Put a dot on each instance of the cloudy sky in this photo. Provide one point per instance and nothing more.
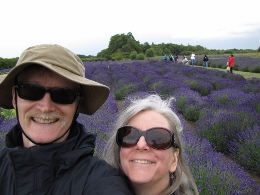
(85, 26)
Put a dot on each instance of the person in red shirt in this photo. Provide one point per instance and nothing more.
(231, 62)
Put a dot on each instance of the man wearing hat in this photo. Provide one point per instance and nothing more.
(48, 151)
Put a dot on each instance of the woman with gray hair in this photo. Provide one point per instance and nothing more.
(146, 146)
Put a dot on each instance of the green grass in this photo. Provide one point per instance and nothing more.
(246, 75)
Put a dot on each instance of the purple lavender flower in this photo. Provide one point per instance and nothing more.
(5, 126)
(246, 148)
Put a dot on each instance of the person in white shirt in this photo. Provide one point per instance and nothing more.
(192, 58)
(185, 60)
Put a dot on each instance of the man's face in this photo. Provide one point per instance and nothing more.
(43, 120)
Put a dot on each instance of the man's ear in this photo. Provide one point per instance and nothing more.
(13, 97)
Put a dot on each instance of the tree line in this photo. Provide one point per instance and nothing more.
(125, 46)
(6, 63)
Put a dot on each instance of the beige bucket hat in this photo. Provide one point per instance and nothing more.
(63, 62)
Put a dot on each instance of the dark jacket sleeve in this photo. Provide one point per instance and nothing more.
(112, 185)
(105, 180)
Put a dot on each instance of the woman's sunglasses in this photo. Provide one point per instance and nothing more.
(35, 92)
(158, 138)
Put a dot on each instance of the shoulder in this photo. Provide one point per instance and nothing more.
(102, 168)
(103, 176)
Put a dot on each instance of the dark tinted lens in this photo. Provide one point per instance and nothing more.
(159, 138)
(35, 92)
(127, 136)
(30, 92)
(63, 96)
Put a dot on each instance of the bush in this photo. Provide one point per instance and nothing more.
(8, 113)
(222, 126)
(133, 55)
(245, 69)
(256, 69)
(121, 93)
(191, 113)
(214, 65)
(93, 59)
(246, 149)
(236, 67)
(200, 63)
(150, 52)
(117, 56)
(201, 87)
(219, 66)
(140, 56)
(189, 105)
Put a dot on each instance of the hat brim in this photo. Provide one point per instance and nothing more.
(94, 94)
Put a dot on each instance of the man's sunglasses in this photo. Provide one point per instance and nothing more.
(158, 138)
(35, 92)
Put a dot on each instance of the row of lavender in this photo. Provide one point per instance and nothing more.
(213, 173)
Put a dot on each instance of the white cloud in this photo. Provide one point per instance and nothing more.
(86, 26)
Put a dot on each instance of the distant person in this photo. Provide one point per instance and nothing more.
(176, 58)
(231, 63)
(165, 57)
(48, 151)
(146, 146)
(205, 61)
(170, 57)
(185, 60)
(193, 59)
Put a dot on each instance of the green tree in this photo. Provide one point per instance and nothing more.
(131, 45)
(6, 63)
(124, 43)
(157, 50)
(133, 55)
(116, 42)
(104, 54)
(166, 51)
(145, 46)
(117, 56)
(150, 52)
(140, 56)
(130, 35)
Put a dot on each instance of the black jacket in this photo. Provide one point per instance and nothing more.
(57, 169)
(205, 58)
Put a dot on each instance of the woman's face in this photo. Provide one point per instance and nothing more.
(143, 164)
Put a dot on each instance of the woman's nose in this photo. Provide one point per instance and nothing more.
(142, 144)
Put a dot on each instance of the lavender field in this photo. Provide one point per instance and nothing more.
(242, 62)
(220, 113)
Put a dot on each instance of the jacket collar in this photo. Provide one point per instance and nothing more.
(53, 159)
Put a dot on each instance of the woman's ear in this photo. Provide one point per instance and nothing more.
(175, 157)
(13, 97)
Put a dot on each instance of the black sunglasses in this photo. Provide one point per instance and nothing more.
(35, 92)
(158, 138)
